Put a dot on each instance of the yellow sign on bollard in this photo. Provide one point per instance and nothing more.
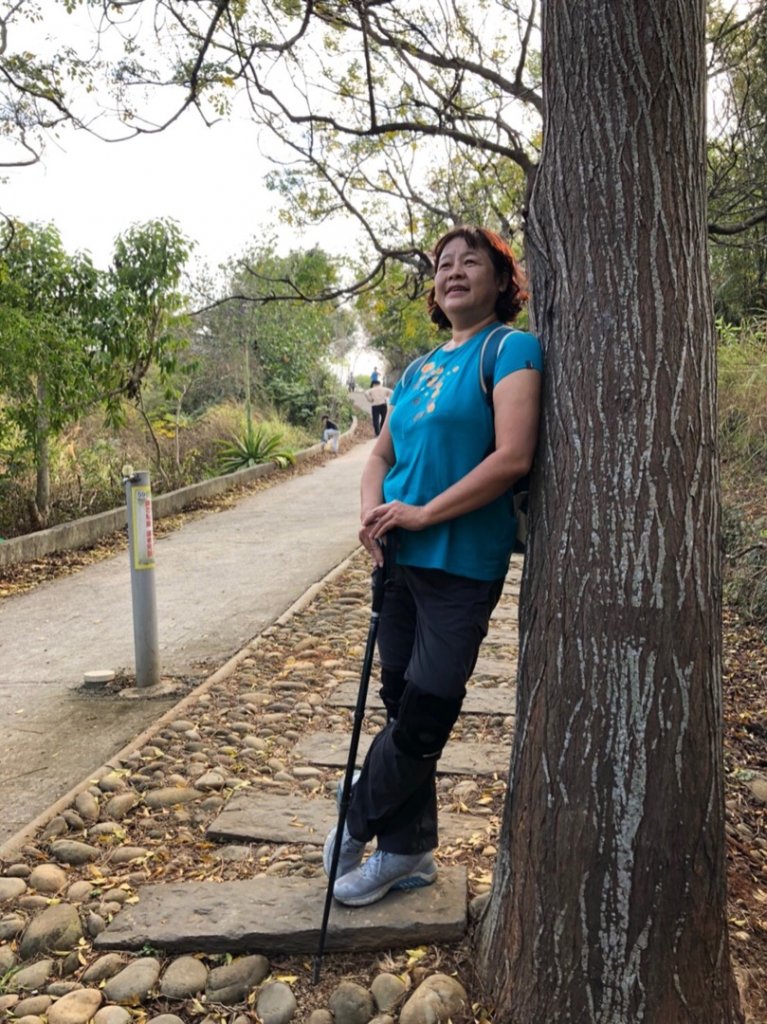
(143, 529)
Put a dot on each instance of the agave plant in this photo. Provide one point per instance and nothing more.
(255, 446)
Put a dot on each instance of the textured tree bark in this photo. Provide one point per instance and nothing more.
(608, 900)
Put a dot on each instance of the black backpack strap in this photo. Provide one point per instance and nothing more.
(491, 346)
(488, 355)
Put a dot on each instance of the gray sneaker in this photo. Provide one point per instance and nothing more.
(340, 787)
(383, 872)
(350, 857)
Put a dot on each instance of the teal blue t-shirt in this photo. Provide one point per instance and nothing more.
(442, 427)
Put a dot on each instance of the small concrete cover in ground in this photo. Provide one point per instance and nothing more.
(260, 816)
(462, 758)
(283, 915)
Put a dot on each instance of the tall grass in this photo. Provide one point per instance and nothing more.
(743, 446)
(87, 461)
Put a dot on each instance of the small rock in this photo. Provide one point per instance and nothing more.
(350, 1003)
(170, 796)
(211, 780)
(120, 804)
(105, 967)
(70, 964)
(29, 1018)
(48, 878)
(438, 999)
(276, 1003)
(388, 990)
(33, 903)
(7, 959)
(320, 1017)
(212, 803)
(18, 871)
(112, 782)
(11, 926)
(63, 988)
(30, 978)
(106, 828)
(382, 1018)
(32, 1005)
(758, 787)
(125, 854)
(112, 1015)
(11, 888)
(8, 1002)
(56, 928)
(115, 896)
(183, 978)
(95, 924)
(76, 1008)
(134, 983)
(465, 791)
(306, 772)
(79, 891)
(182, 725)
(165, 1018)
(73, 819)
(55, 827)
(231, 983)
(87, 806)
(70, 851)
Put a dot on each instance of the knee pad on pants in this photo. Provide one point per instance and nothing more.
(424, 723)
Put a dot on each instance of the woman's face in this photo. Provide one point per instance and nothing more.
(465, 283)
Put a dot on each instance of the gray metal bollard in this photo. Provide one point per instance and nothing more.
(138, 498)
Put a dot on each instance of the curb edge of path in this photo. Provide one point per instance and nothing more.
(11, 847)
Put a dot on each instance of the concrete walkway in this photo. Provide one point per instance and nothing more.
(220, 580)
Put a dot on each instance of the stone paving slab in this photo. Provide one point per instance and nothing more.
(504, 669)
(283, 915)
(458, 758)
(255, 816)
(478, 701)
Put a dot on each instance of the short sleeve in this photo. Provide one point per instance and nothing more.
(519, 350)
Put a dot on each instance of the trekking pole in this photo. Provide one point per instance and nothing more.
(381, 575)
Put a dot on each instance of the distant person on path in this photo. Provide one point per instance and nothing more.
(375, 377)
(330, 434)
(378, 396)
(436, 486)
(351, 382)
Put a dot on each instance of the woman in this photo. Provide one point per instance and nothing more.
(436, 485)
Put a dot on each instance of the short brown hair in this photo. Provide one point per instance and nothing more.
(514, 295)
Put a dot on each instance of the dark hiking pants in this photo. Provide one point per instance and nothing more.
(379, 415)
(431, 627)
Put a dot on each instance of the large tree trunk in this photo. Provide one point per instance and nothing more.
(608, 902)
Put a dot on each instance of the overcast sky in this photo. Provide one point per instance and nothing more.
(209, 179)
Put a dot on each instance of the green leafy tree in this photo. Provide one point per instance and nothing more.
(148, 325)
(265, 327)
(51, 304)
(737, 155)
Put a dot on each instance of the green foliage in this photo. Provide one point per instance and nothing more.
(288, 340)
(147, 324)
(743, 444)
(255, 446)
(737, 156)
(742, 358)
